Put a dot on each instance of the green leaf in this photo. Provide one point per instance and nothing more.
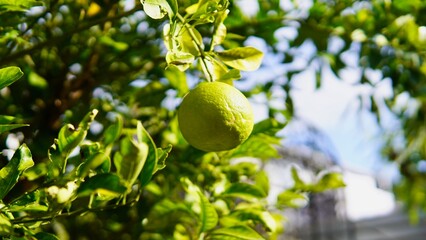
(268, 126)
(230, 76)
(8, 127)
(45, 236)
(113, 132)
(173, 6)
(242, 58)
(208, 216)
(9, 174)
(219, 34)
(4, 119)
(244, 191)
(236, 232)
(18, 5)
(220, 30)
(6, 123)
(177, 79)
(130, 159)
(298, 182)
(69, 138)
(105, 184)
(167, 206)
(186, 39)
(157, 9)
(118, 46)
(182, 60)
(262, 141)
(9, 75)
(5, 225)
(162, 154)
(31, 201)
(167, 213)
(37, 81)
(203, 12)
(329, 181)
(93, 157)
(30, 207)
(37, 171)
(92, 162)
(262, 181)
(152, 155)
(252, 214)
(217, 71)
(212, 68)
(259, 146)
(292, 199)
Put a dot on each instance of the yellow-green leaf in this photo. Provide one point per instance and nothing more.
(5, 225)
(182, 60)
(157, 9)
(241, 232)
(242, 58)
(36, 80)
(244, 191)
(177, 79)
(130, 160)
(8, 75)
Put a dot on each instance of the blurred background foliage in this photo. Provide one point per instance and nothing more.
(106, 54)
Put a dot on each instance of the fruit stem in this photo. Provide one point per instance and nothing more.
(199, 48)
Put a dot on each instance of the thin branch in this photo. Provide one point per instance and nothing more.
(67, 35)
(200, 50)
(24, 220)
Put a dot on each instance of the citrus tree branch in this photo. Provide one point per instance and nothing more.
(25, 219)
(67, 35)
(200, 49)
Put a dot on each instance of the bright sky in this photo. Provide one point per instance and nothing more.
(356, 137)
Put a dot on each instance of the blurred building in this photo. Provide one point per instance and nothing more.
(360, 211)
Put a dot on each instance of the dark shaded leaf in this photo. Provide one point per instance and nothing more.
(8, 127)
(45, 236)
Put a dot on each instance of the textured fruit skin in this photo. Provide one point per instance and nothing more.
(215, 116)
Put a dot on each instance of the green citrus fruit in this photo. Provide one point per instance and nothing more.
(215, 116)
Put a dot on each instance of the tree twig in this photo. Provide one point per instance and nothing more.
(67, 35)
(23, 220)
